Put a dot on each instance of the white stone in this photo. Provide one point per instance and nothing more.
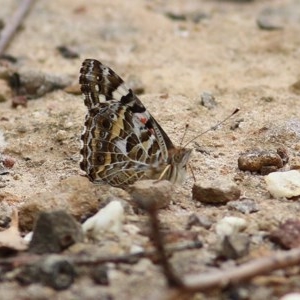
(230, 225)
(291, 296)
(28, 237)
(135, 249)
(68, 125)
(108, 219)
(283, 184)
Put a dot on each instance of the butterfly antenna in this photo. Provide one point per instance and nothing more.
(184, 134)
(213, 127)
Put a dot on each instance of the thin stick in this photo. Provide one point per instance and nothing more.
(173, 279)
(28, 258)
(13, 24)
(242, 273)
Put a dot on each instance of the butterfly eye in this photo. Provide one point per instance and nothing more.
(177, 158)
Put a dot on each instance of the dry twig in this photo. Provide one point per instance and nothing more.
(172, 278)
(221, 279)
(242, 273)
(28, 258)
(13, 24)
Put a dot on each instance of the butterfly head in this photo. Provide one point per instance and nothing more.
(178, 160)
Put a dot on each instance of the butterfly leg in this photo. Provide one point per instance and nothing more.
(164, 172)
(193, 174)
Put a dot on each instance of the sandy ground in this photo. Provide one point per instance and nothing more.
(176, 61)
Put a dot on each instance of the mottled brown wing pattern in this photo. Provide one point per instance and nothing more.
(121, 141)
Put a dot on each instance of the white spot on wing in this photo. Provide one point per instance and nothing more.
(105, 71)
(81, 144)
(121, 91)
(102, 98)
(121, 144)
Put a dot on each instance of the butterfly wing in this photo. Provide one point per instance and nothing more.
(121, 140)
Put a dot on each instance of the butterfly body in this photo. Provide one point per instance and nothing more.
(121, 141)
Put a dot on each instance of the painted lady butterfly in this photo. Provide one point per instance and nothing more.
(121, 141)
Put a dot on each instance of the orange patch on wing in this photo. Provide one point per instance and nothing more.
(143, 120)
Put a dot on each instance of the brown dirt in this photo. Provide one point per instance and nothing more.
(226, 54)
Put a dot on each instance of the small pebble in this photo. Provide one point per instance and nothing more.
(61, 135)
(19, 101)
(245, 206)
(67, 52)
(287, 235)
(208, 100)
(32, 84)
(57, 272)
(234, 246)
(263, 162)
(8, 162)
(197, 220)
(283, 184)
(230, 225)
(53, 271)
(279, 17)
(291, 296)
(236, 123)
(100, 275)
(68, 125)
(194, 16)
(135, 249)
(219, 191)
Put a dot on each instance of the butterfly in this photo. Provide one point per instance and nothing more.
(121, 142)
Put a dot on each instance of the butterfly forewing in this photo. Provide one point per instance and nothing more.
(121, 141)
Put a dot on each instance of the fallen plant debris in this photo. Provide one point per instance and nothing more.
(14, 23)
(223, 278)
(59, 271)
(10, 239)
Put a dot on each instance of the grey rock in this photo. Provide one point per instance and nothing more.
(54, 232)
(208, 100)
(234, 246)
(276, 18)
(245, 206)
(100, 275)
(197, 220)
(53, 271)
